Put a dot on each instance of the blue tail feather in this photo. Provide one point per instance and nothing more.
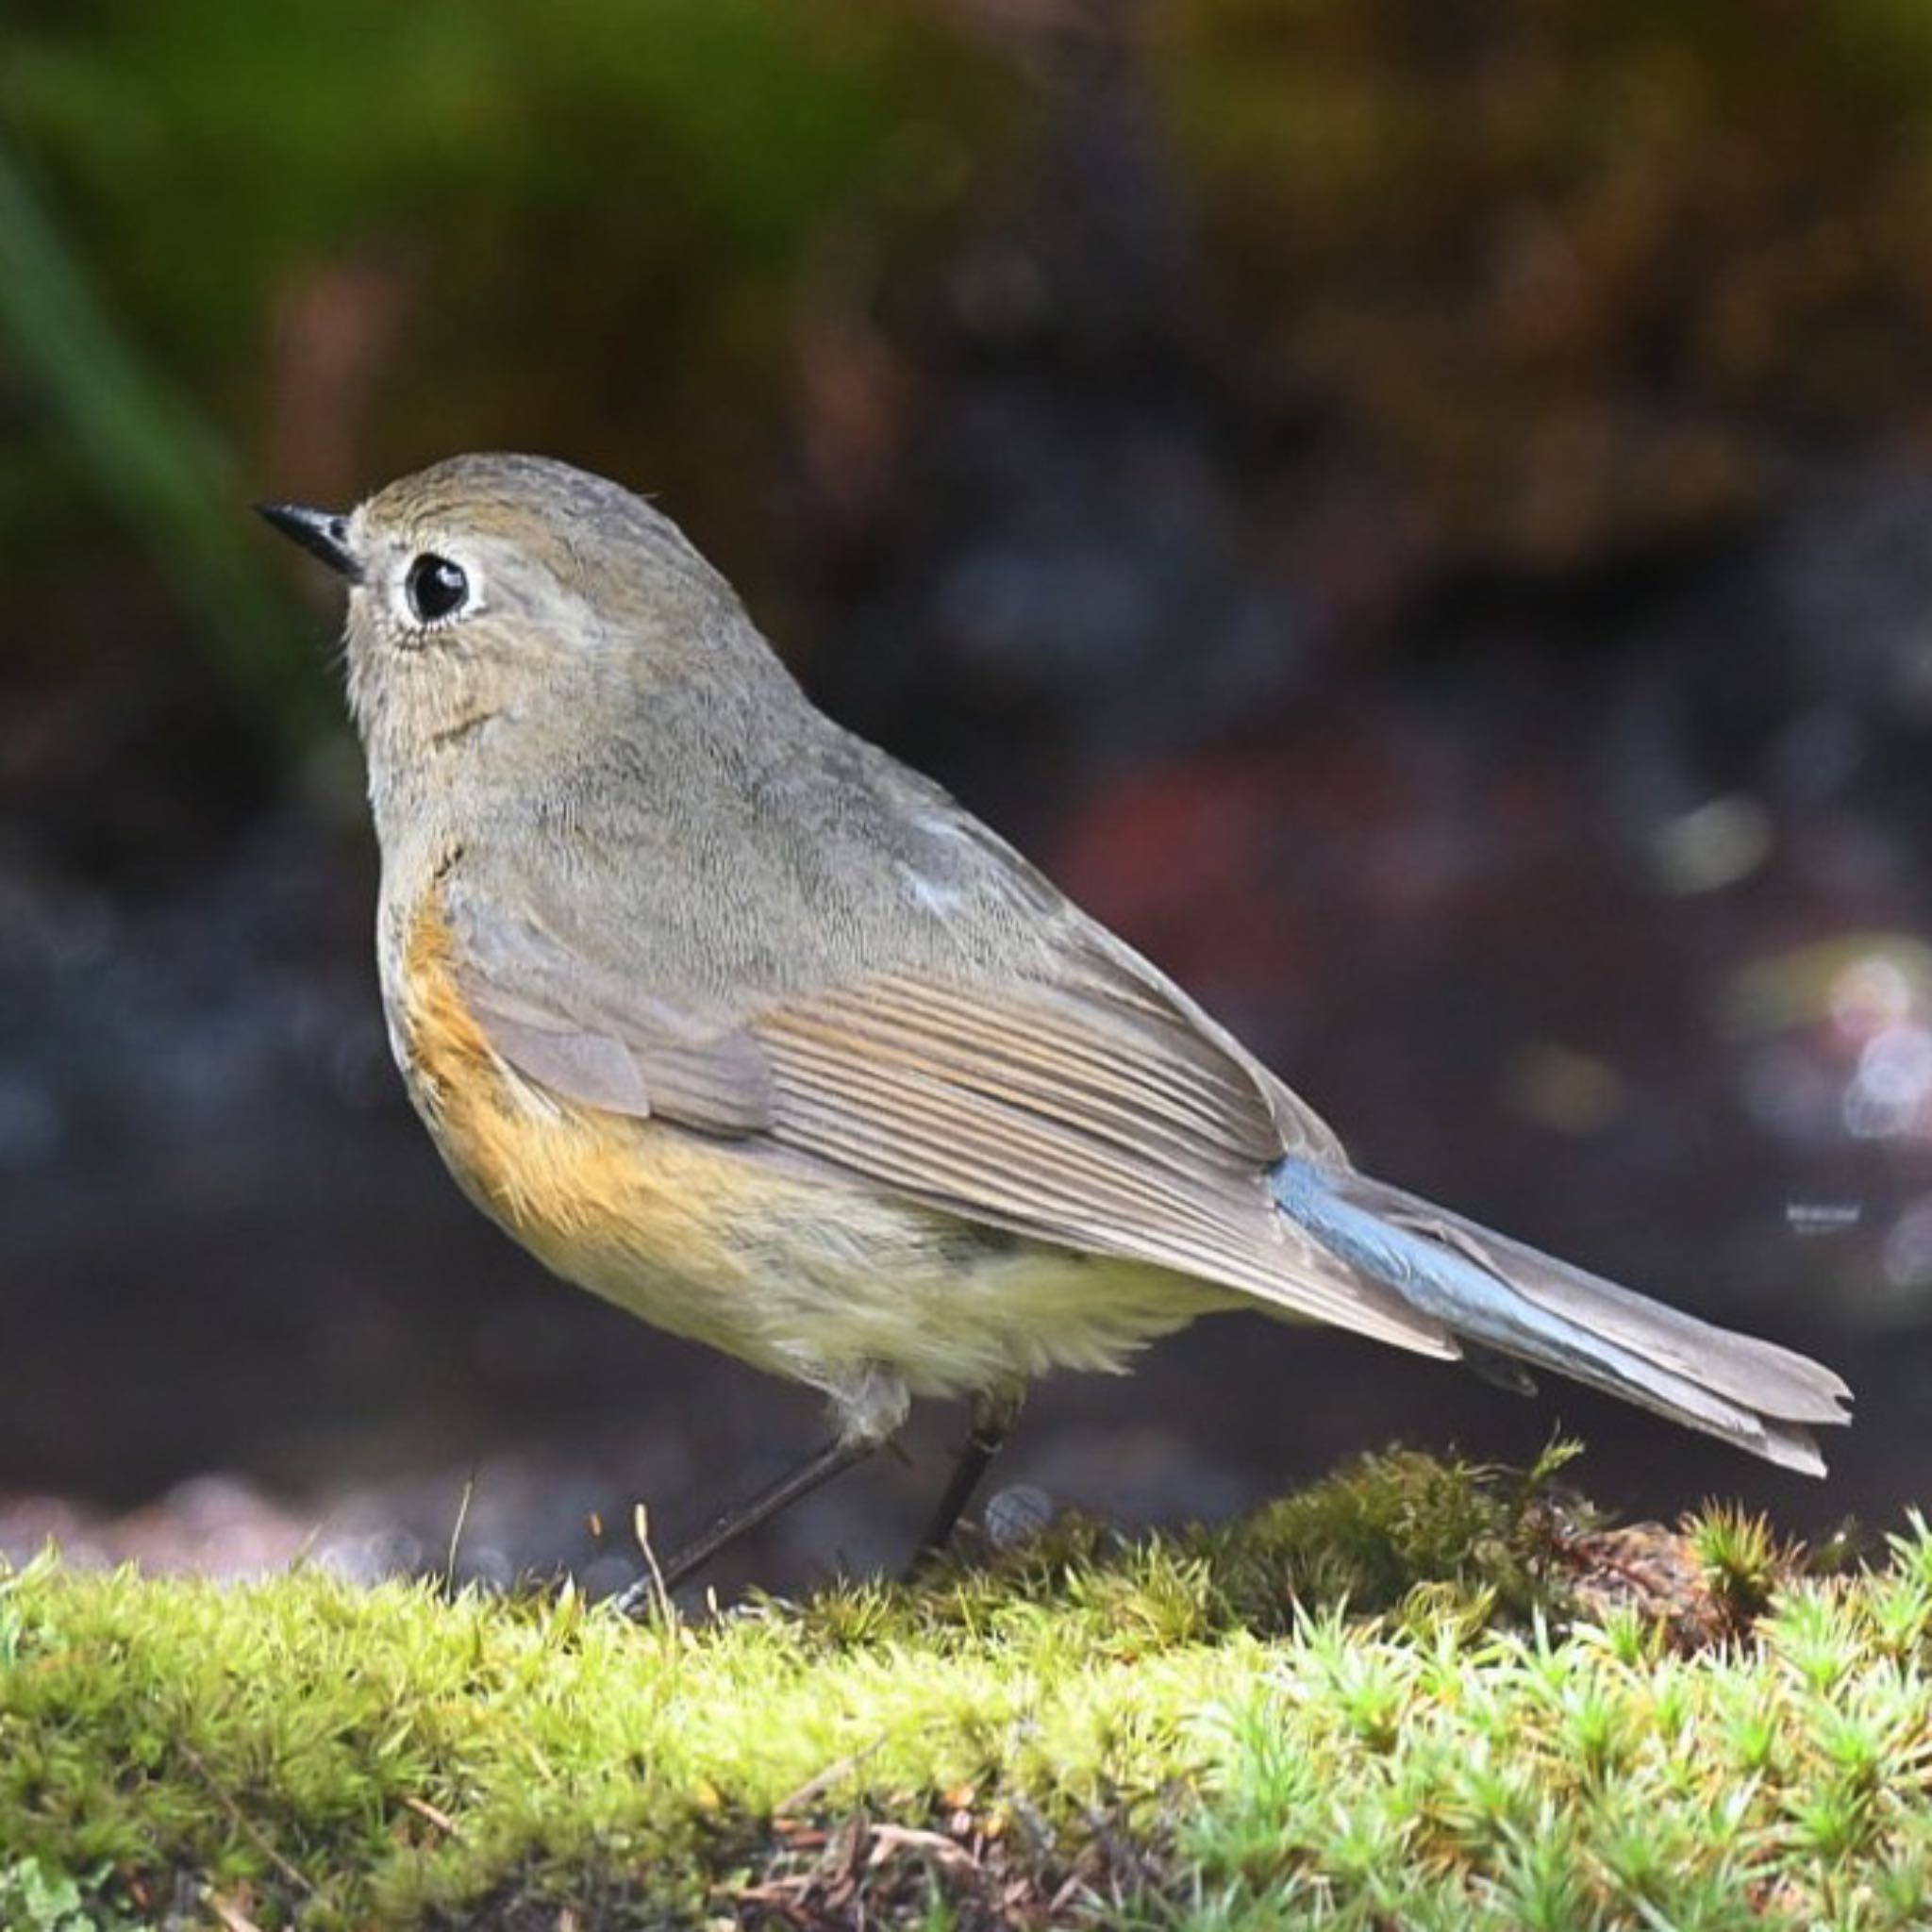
(1505, 1296)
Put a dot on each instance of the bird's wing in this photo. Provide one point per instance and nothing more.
(587, 1034)
(1098, 1112)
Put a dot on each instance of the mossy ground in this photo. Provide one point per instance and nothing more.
(1419, 1695)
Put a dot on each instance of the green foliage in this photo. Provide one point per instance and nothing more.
(36, 1899)
(246, 254)
(731, 120)
(597, 221)
(1156, 1724)
(1567, 273)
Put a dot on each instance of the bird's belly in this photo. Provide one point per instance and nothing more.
(827, 1284)
(822, 1282)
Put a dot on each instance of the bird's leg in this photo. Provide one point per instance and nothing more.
(995, 1413)
(835, 1458)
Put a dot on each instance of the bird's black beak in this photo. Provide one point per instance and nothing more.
(321, 532)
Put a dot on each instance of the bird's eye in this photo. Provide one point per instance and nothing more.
(436, 588)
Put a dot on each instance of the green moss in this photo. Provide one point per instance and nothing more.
(1196, 1730)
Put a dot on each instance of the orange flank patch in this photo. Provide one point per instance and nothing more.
(600, 1197)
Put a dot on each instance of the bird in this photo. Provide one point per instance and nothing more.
(734, 1020)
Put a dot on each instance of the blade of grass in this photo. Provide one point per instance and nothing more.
(157, 463)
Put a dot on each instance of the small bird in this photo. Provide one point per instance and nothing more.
(730, 1018)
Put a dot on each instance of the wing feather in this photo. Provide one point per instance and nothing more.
(1007, 1108)
(1097, 1111)
(1138, 1094)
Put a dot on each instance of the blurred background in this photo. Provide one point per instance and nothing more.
(1418, 513)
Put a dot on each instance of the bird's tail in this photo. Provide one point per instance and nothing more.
(1500, 1295)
